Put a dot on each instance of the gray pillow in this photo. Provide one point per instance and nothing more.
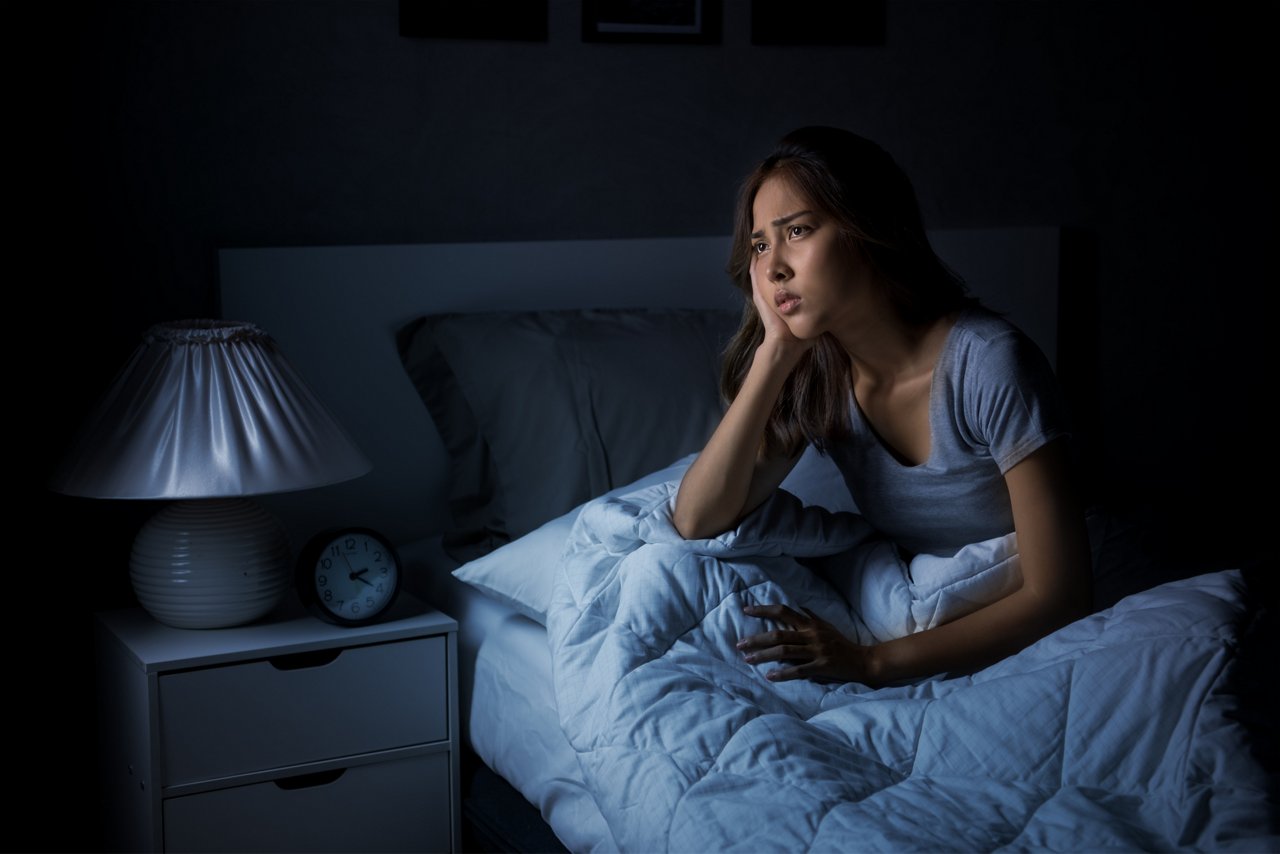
(543, 410)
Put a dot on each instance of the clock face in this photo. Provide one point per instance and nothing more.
(350, 576)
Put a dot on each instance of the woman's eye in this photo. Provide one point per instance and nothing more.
(760, 247)
(798, 230)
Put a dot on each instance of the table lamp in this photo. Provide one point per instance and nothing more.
(208, 413)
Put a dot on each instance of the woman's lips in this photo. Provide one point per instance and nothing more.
(786, 302)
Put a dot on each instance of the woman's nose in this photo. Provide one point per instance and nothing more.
(777, 271)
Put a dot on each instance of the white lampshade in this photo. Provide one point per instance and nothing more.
(208, 412)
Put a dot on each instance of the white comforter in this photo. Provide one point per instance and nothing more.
(1114, 732)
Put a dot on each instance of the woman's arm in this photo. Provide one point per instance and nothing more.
(731, 477)
(1056, 589)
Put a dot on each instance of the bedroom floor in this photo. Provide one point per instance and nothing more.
(496, 819)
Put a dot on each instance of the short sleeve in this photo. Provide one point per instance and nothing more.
(1013, 401)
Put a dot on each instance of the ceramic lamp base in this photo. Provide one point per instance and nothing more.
(210, 563)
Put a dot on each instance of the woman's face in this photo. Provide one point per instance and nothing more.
(804, 268)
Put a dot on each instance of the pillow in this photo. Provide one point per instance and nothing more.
(520, 574)
(542, 410)
(816, 480)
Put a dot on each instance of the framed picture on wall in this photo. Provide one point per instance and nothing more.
(663, 21)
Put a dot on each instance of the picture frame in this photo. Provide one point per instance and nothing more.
(652, 21)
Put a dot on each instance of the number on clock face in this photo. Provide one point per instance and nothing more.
(355, 576)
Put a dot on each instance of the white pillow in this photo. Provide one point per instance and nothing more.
(521, 573)
(816, 480)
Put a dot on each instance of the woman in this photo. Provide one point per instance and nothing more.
(944, 419)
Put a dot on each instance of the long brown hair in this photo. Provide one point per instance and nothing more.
(856, 183)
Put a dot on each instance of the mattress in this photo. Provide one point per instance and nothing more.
(507, 701)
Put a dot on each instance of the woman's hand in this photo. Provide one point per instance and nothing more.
(776, 330)
(815, 648)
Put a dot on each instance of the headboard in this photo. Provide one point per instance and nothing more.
(335, 310)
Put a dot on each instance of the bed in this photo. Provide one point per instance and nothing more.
(527, 406)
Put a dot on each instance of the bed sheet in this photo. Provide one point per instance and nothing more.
(1128, 729)
(507, 700)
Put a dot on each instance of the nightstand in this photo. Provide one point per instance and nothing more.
(287, 735)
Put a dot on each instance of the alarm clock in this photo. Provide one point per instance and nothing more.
(348, 576)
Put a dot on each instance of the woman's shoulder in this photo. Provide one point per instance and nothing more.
(985, 324)
(987, 348)
(982, 333)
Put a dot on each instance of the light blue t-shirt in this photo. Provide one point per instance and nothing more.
(994, 399)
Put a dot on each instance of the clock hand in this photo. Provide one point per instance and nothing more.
(356, 576)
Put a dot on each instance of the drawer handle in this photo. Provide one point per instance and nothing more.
(303, 660)
(308, 781)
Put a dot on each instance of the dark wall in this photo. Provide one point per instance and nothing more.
(161, 131)
(205, 124)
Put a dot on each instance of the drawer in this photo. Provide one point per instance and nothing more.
(401, 805)
(258, 715)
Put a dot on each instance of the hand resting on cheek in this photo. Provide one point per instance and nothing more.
(775, 328)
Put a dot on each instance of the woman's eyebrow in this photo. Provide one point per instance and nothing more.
(782, 220)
